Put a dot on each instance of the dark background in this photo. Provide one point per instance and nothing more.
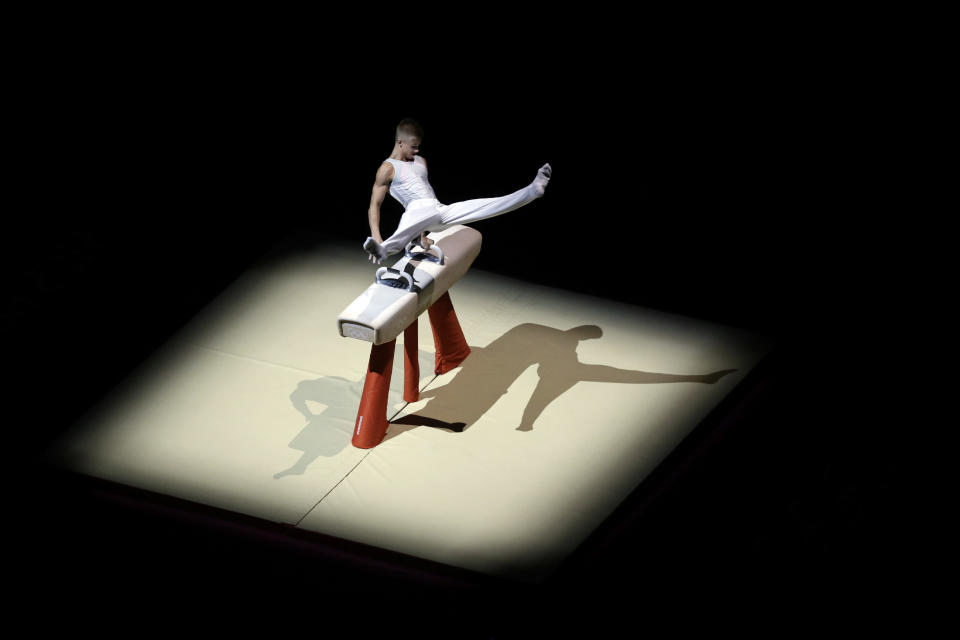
(706, 190)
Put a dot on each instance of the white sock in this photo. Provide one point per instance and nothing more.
(543, 177)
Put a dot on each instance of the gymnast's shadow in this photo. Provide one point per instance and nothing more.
(329, 430)
(488, 372)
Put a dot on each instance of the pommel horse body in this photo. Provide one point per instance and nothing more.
(419, 281)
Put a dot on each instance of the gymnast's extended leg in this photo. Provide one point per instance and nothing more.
(481, 208)
(440, 217)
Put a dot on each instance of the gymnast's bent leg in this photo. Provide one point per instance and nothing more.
(412, 223)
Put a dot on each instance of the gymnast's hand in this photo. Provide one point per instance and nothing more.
(425, 242)
(373, 249)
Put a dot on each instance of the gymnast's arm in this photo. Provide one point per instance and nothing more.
(380, 187)
(425, 242)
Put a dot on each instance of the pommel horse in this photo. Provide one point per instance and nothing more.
(417, 282)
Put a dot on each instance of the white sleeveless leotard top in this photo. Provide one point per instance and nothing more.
(410, 181)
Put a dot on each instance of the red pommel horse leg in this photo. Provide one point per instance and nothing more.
(452, 350)
(448, 338)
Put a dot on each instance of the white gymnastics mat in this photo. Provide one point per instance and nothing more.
(504, 466)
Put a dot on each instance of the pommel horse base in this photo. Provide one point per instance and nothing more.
(417, 282)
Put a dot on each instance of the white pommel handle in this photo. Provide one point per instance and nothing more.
(408, 250)
(402, 274)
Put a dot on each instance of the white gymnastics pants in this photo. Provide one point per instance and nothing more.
(431, 215)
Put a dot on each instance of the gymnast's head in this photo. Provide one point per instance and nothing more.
(586, 332)
(408, 137)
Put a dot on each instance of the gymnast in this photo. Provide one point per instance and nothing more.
(404, 173)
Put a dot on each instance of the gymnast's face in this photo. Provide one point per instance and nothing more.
(409, 147)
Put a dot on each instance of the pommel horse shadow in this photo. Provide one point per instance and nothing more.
(328, 432)
(484, 377)
(489, 371)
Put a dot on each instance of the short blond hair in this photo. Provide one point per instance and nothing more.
(409, 128)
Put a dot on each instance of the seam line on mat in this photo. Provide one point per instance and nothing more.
(310, 510)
